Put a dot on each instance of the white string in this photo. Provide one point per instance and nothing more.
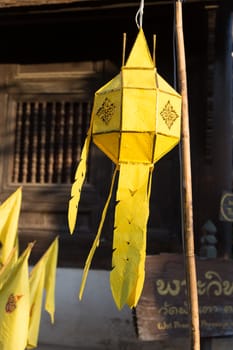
(140, 15)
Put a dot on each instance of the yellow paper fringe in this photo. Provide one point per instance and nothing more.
(78, 183)
(97, 238)
(129, 242)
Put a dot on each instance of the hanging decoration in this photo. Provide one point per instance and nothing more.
(135, 121)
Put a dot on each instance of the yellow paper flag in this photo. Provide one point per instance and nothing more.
(50, 278)
(14, 306)
(36, 283)
(9, 216)
(42, 276)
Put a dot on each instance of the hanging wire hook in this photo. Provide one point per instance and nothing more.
(140, 15)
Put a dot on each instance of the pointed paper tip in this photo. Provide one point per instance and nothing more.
(31, 244)
(71, 227)
(140, 54)
(83, 284)
(119, 305)
(51, 316)
(72, 215)
(80, 296)
(119, 302)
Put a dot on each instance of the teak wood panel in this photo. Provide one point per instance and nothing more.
(28, 91)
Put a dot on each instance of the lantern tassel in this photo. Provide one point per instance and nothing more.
(129, 241)
(97, 239)
(76, 188)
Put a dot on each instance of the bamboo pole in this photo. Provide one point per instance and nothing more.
(191, 279)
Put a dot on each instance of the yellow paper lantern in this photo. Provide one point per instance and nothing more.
(136, 116)
(135, 120)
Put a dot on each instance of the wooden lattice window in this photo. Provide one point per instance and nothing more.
(48, 139)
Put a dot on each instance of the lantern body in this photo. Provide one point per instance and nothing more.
(136, 116)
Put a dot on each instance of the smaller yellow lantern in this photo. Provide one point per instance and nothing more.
(135, 121)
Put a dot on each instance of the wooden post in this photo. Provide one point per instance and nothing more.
(191, 279)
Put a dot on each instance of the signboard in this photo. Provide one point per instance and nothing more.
(163, 307)
(226, 207)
